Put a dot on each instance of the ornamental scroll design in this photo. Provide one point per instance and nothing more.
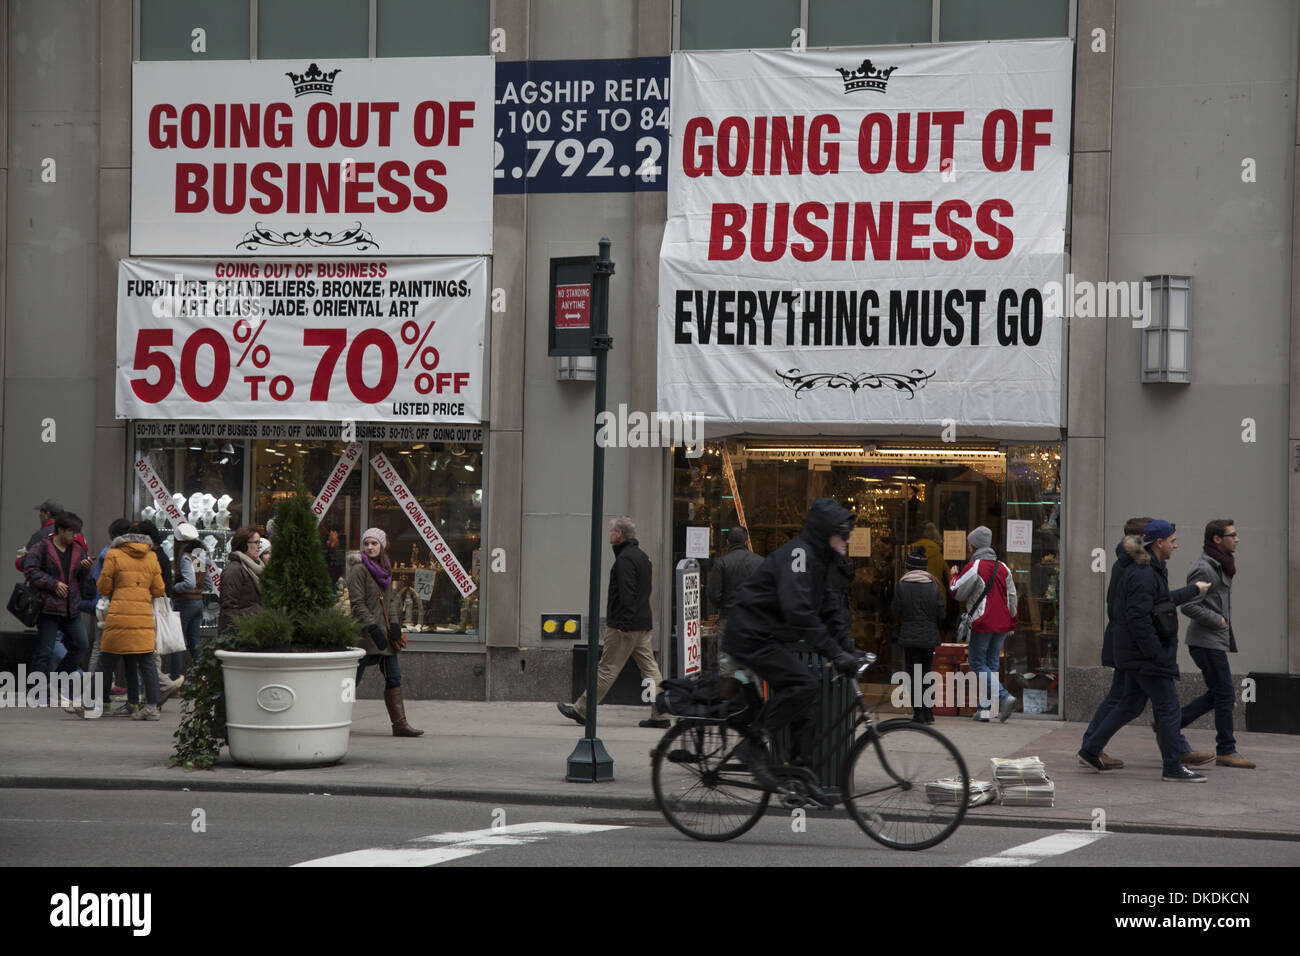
(896, 381)
(260, 236)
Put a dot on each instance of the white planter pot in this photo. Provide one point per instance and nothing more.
(288, 710)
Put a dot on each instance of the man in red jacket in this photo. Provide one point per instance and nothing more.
(992, 618)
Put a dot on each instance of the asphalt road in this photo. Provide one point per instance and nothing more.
(85, 828)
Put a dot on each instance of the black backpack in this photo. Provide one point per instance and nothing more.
(698, 697)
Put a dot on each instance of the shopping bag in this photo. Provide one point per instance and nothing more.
(25, 603)
(167, 627)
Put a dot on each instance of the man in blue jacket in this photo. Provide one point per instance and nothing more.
(1145, 636)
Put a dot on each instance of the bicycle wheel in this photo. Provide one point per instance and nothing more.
(886, 786)
(700, 789)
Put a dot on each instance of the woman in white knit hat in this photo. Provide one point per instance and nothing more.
(370, 592)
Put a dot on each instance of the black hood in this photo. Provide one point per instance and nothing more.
(825, 518)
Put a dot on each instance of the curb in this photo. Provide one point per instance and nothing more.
(574, 798)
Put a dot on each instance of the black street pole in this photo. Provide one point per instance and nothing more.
(589, 762)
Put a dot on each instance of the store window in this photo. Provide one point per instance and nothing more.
(903, 495)
(281, 466)
(420, 28)
(868, 22)
(1003, 19)
(168, 29)
(727, 24)
(312, 28)
(447, 479)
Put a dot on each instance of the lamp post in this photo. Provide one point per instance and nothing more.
(590, 762)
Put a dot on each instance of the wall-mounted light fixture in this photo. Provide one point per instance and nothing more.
(1166, 329)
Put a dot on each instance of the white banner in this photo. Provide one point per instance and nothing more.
(387, 157)
(391, 341)
(335, 481)
(864, 236)
(156, 490)
(464, 584)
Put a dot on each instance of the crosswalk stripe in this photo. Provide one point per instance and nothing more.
(458, 845)
(1027, 854)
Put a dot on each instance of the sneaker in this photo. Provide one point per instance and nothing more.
(124, 710)
(1183, 775)
(173, 687)
(982, 716)
(1234, 760)
(1093, 761)
(88, 713)
(1007, 708)
(569, 711)
(146, 713)
(68, 704)
(1112, 763)
(1195, 759)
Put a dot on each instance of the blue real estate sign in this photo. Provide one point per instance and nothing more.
(582, 126)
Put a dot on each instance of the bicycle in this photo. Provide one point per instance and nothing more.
(904, 783)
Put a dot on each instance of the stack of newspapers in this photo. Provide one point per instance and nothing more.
(1023, 782)
(947, 792)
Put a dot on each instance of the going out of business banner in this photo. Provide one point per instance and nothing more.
(865, 236)
(386, 157)
(392, 341)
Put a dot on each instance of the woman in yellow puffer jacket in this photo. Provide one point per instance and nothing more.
(131, 579)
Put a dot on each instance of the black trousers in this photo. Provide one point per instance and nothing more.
(793, 693)
(924, 658)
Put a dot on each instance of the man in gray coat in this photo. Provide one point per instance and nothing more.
(1210, 638)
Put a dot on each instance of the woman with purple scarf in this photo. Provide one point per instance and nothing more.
(370, 588)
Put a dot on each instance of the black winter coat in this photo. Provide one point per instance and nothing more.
(1138, 646)
(788, 598)
(630, 579)
(921, 607)
(729, 572)
(1127, 552)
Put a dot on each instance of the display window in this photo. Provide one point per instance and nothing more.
(225, 475)
(903, 495)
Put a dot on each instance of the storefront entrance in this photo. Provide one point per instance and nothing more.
(904, 494)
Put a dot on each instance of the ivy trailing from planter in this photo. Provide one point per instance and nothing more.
(202, 728)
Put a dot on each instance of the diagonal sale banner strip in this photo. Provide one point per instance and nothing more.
(424, 525)
(335, 481)
(155, 488)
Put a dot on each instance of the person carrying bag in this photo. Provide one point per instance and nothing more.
(370, 587)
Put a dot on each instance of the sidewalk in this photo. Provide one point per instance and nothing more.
(516, 753)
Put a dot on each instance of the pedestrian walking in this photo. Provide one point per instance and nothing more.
(56, 567)
(1145, 636)
(191, 582)
(131, 579)
(989, 592)
(241, 590)
(370, 593)
(728, 574)
(1210, 638)
(919, 605)
(1124, 552)
(628, 623)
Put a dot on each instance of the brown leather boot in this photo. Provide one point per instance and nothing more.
(397, 713)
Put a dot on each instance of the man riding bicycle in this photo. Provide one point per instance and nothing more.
(796, 594)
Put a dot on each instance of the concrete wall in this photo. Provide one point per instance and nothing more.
(1195, 95)
(51, 252)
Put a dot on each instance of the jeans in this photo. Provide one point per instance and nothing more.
(1108, 704)
(1137, 690)
(145, 662)
(984, 652)
(1219, 697)
(191, 620)
(388, 666)
(48, 627)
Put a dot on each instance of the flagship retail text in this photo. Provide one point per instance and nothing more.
(928, 317)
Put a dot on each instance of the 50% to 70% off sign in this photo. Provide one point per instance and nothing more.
(152, 345)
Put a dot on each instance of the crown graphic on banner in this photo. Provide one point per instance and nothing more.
(865, 77)
(315, 80)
